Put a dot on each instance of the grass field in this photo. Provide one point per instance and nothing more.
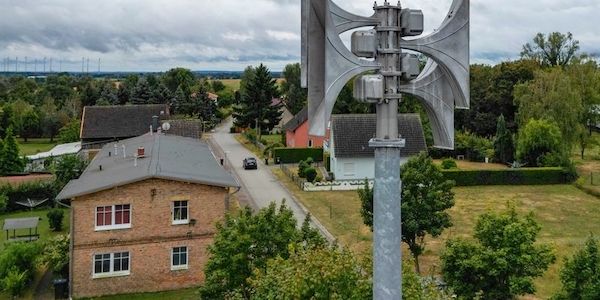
(468, 165)
(272, 138)
(567, 216)
(34, 146)
(43, 228)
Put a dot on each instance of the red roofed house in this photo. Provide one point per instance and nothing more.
(296, 132)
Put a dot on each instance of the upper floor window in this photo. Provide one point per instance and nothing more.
(111, 264)
(179, 258)
(310, 143)
(113, 217)
(180, 212)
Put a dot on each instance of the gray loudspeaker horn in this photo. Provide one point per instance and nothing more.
(433, 88)
(449, 47)
(329, 64)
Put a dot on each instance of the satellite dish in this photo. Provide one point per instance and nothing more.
(166, 126)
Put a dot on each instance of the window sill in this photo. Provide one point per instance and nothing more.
(110, 275)
(179, 268)
(181, 222)
(113, 227)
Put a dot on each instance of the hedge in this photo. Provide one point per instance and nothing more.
(295, 155)
(523, 176)
(37, 190)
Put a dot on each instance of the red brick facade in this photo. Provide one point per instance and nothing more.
(150, 239)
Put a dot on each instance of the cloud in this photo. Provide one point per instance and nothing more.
(230, 34)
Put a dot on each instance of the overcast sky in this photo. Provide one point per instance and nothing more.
(156, 35)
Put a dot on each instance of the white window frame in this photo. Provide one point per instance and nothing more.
(183, 221)
(187, 259)
(111, 273)
(310, 143)
(113, 226)
(347, 171)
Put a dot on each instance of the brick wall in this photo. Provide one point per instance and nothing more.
(150, 238)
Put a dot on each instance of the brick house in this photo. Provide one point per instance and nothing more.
(296, 132)
(142, 222)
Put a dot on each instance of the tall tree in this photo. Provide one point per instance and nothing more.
(10, 161)
(426, 197)
(504, 147)
(6, 119)
(256, 109)
(294, 95)
(49, 119)
(179, 77)
(501, 263)
(347, 104)
(557, 49)
(30, 125)
(141, 93)
(539, 141)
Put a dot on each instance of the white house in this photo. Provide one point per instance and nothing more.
(351, 157)
(37, 162)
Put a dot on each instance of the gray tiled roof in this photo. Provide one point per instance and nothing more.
(108, 122)
(166, 157)
(185, 128)
(351, 134)
(298, 120)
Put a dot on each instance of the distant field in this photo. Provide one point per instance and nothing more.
(234, 84)
(467, 165)
(567, 216)
(35, 146)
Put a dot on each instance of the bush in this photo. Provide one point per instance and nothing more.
(55, 219)
(29, 190)
(20, 257)
(250, 134)
(540, 144)
(310, 174)
(15, 282)
(448, 164)
(56, 254)
(3, 203)
(295, 155)
(524, 176)
(473, 147)
(264, 141)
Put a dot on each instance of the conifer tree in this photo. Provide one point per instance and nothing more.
(10, 160)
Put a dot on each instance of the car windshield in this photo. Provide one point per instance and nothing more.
(250, 159)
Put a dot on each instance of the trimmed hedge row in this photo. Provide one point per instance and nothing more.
(295, 155)
(36, 190)
(524, 176)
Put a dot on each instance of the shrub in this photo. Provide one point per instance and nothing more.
(19, 256)
(3, 203)
(55, 219)
(264, 141)
(310, 174)
(473, 147)
(15, 282)
(295, 155)
(540, 143)
(56, 254)
(524, 176)
(448, 164)
(250, 134)
(302, 166)
(29, 190)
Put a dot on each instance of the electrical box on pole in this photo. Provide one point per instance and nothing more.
(441, 86)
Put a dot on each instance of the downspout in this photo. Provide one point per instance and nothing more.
(71, 246)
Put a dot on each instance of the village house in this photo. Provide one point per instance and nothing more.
(296, 132)
(351, 157)
(142, 219)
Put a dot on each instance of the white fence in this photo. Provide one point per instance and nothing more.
(336, 186)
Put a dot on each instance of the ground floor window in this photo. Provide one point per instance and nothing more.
(179, 258)
(111, 264)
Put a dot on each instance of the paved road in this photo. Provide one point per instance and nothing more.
(260, 185)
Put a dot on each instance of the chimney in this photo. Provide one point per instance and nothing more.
(154, 123)
(141, 152)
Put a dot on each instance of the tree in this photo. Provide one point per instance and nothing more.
(10, 161)
(30, 125)
(346, 104)
(320, 273)
(246, 242)
(504, 147)
(55, 219)
(537, 140)
(141, 93)
(179, 77)
(67, 168)
(50, 121)
(366, 201)
(6, 120)
(70, 132)
(294, 95)
(557, 49)
(161, 94)
(426, 195)
(217, 86)
(181, 102)
(108, 93)
(553, 96)
(580, 275)
(256, 108)
(501, 263)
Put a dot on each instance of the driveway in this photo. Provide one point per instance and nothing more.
(259, 185)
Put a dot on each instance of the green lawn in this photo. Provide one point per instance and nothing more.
(567, 216)
(187, 294)
(34, 146)
(43, 229)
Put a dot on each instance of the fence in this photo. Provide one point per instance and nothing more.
(303, 184)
